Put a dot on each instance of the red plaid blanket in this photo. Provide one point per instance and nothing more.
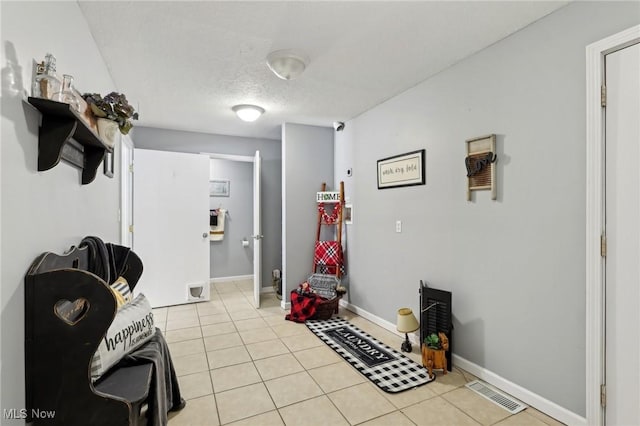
(303, 306)
(328, 255)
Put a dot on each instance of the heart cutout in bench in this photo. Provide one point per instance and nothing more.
(71, 312)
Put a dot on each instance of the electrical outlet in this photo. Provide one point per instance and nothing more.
(398, 226)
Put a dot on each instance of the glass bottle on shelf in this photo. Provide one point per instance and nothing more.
(35, 87)
(66, 93)
(47, 82)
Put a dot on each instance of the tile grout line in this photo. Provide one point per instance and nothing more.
(259, 375)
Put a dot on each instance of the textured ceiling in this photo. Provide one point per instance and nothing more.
(185, 64)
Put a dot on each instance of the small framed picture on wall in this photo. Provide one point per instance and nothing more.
(219, 187)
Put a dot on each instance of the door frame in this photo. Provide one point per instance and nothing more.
(247, 159)
(595, 312)
(126, 190)
(257, 229)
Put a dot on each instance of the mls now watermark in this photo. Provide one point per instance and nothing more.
(21, 413)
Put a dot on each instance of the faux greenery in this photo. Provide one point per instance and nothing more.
(114, 107)
(432, 341)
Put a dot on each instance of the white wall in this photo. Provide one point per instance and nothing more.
(51, 210)
(516, 266)
(307, 161)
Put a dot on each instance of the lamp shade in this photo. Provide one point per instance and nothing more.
(407, 322)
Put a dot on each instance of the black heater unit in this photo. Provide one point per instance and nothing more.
(435, 316)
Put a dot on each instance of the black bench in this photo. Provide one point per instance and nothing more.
(60, 343)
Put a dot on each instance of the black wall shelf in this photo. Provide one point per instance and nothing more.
(61, 124)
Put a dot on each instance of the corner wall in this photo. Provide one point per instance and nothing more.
(50, 210)
(307, 161)
(516, 266)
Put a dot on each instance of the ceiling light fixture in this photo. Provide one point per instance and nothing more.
(248, 112)
(287, 64)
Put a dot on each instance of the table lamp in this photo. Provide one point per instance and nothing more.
(407, 323)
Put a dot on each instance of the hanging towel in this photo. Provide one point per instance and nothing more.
(217, 232)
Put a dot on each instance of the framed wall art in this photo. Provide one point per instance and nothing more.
(402, 170)
(480, 163)
(219, 187)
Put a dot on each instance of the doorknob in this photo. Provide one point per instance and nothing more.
(257, 237)
(205, 235)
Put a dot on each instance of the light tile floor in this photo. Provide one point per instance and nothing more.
(243, 366)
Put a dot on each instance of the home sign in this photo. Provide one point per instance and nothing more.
(328, 197)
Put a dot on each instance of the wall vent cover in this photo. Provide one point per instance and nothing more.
(508, 403)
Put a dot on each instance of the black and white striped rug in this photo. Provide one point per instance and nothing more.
(390, 370)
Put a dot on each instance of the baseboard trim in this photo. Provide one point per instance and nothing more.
(542, 404)
(233, 278)
(413, 337)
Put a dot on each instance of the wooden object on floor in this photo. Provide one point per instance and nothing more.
(436, 358)
(435, 316)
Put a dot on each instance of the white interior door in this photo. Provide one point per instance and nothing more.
(171, 225)
(622, 329)
(257, 231)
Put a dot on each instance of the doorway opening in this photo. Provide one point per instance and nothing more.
(256, 237)
(127, 207)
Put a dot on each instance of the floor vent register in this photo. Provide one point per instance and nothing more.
(508, 403)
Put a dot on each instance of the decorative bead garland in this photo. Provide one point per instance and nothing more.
(329, 219)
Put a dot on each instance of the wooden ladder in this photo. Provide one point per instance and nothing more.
(337, 222)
